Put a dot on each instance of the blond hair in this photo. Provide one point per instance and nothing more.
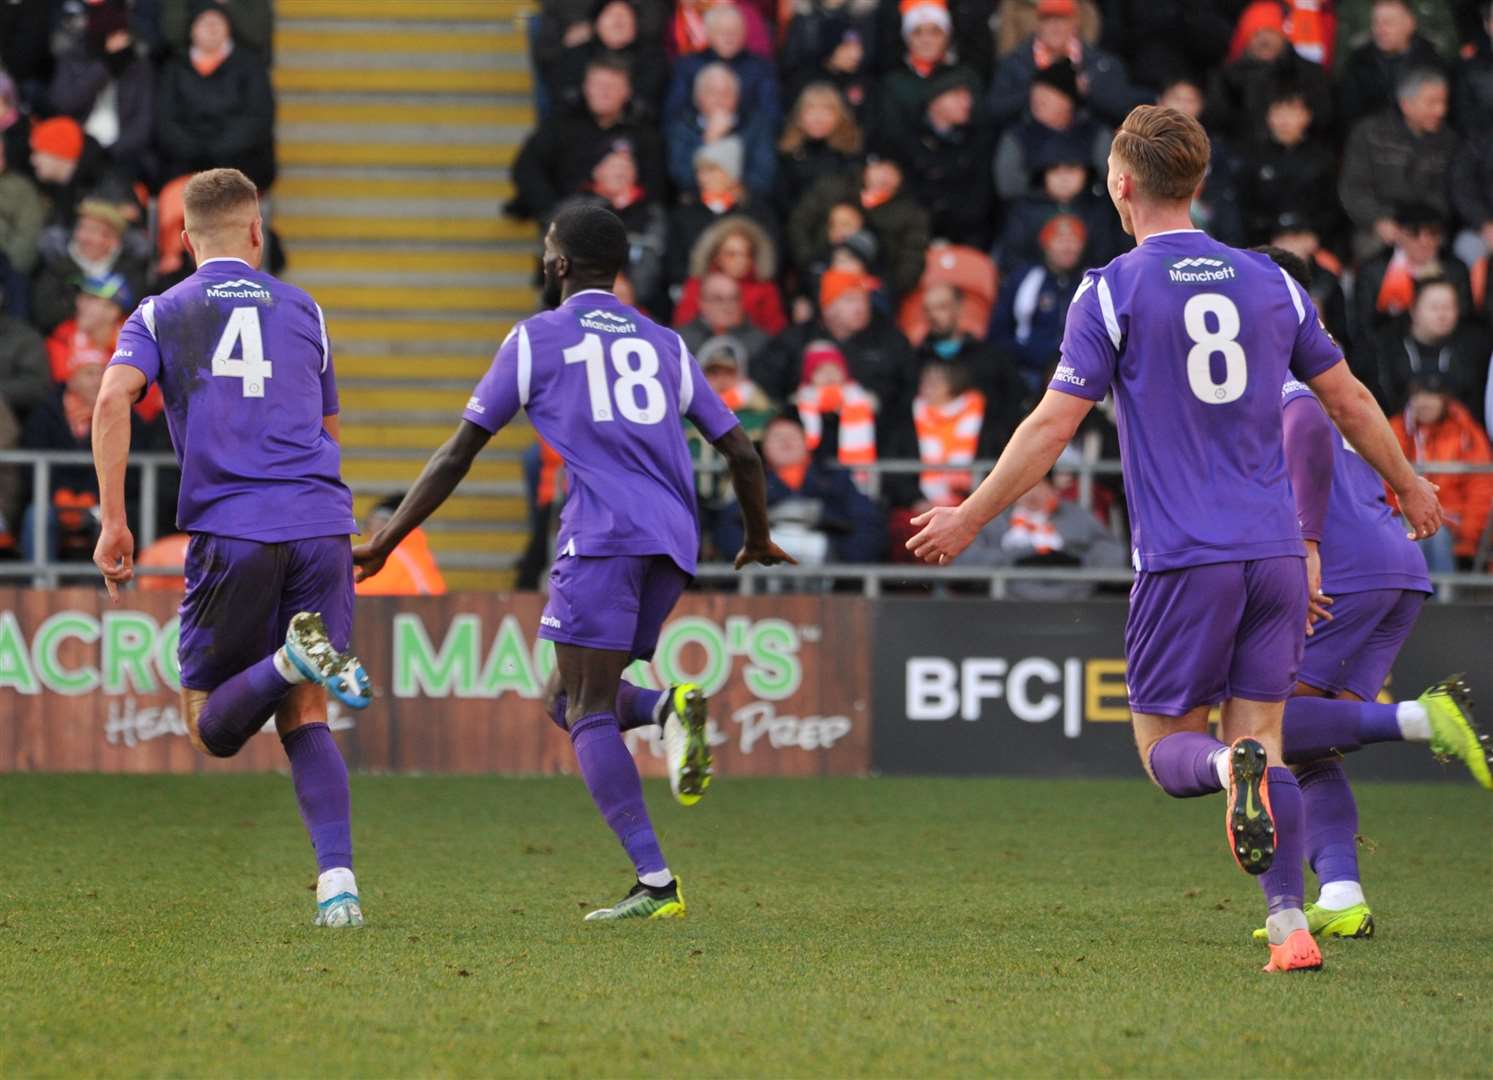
(845, 138)
(216, 198)
(1166, 151)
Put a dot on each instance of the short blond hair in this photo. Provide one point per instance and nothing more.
(213, 198)
(1166, 151)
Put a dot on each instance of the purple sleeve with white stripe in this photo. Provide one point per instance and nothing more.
(497, 397)
(1315, 351)
(702, 405)
(137, 343)
(1090, 351)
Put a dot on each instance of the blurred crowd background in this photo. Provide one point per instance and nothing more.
(865, 217)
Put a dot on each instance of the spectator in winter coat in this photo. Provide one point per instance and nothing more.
(721, 195)
(614, 36)
(902, 96)
(67, 166)
(743, 251)
(569, 24)
(1163, 40)
(1287, 172)
(1066, 188)
(899, 222)
(21, 215)
(757, 77)
(1053, 125)
(1260, 60)
(105, 81)
(1403, 154)
(253, 23)
(833, 41)
(1471, 191)
(614, 184)
(1434, 20)
(687, 33)
(1032, 307)
(817, 513)
(1434, 426)
(1436, 341)
(1367, 81)
(1472, 99)
(718, 114)
(976, 362)
(94, 249)
(215, 106)
(821, 138)
(24, 384)
(722, 314)
(1102, 81)
(1385, 288)
(555, 161)
(947, 156)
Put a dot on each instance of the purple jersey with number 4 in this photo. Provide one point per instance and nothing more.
(607, 387)
(1364, 546)
(244, 366)
(1195, 338)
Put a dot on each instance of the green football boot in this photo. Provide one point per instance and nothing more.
(1454, 731)
(1350, 922)
(644, 902)
(687, 742)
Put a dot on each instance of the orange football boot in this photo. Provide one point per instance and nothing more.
(1248, 821)
(1298, 952)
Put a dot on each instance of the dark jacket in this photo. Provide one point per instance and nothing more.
(1277, 179)
(900, 224)
(855, 527)
(801, 169)
(557, 159)
(809, 43)
(1368, 320)
(1472, 93)
(1024, 221)
(647, 238)
(226, 119)
(1110, 96)
(759, 86)
(1027, 323)
(684, 135)
(55, 287)
(82, 76)
(1026, 146)
(902, 97)
(990, 372)
(25, 378)
(1239, 95)
(1385, 164)
(1164, 39)
(1470, 185)
(1462, 359)
(949, 173)
(647, 67)
(697, 332)
(1367, 79)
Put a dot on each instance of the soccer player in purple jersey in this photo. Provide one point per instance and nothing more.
(1375, 578)
(243, 363)
(1195, 338)
(607, 388)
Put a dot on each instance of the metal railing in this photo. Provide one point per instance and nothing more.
(874, 579)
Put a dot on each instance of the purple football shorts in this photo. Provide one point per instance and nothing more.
(1355, 651)
(1201, 634)
(615, 602)
(241, 595)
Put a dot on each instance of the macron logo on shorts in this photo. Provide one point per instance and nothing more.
(549, 620)
(475, 405)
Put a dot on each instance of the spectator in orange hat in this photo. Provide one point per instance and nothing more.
(1032, 307)
(1102, 82)
(1261, 60)
(1066, 186)
(905, 90)
(66, 165)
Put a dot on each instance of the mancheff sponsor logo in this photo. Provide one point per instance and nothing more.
(1199, 270)
(608, 323)
(242, 289)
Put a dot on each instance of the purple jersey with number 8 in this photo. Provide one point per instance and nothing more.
(244, 365)
(1195, 339)
(607, 388)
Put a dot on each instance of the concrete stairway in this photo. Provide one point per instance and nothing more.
(398, 121)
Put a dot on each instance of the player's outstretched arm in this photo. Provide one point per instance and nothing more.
(750, 484)
(114, 554)
(1028, 457)
(445, 469)
(1357, 415)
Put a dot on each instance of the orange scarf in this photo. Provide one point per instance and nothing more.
(857, 412)
(794, 475)
(207, 63)
(1397, 291)
(737, 397)
(1046, 57)
(1032, 531)
(948, 435)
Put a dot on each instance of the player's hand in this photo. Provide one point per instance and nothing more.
(368, 560)
(1421, 508)
(114, 555)
(765, 553)
(1316, 602)
(946, 531)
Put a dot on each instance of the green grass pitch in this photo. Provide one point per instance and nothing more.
(161, 926)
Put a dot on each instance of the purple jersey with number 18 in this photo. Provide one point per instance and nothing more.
(1195, 339)
(246, 372)
(607, 388)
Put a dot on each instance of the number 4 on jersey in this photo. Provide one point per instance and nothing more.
(242, 335)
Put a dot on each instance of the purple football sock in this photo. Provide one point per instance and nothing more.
(1331, 821)
(612, 776)
(320, 778)
(1319, 727)
(635, 705)
(239, 707)
(1182, 763)
(1282, 883)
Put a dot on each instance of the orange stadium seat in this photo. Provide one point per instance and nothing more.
(968, 270)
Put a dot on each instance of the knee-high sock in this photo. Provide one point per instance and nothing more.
(239, 707)
(320, 778)
(1282, 883)
(636, 707)
(1331, 821)
(1317, 727)
(1182, 763)
(612, 777)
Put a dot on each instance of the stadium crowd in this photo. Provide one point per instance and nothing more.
(868, 217)
(106, 106)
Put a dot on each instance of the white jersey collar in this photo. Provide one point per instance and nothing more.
(223, 258)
